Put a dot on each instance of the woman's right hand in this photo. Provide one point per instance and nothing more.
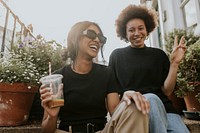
(140, 101)
(46, 96)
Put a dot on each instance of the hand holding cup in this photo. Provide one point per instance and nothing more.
(54, 82)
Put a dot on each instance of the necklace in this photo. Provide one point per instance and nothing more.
(80, 71)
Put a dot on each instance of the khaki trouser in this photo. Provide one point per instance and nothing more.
(126, 119)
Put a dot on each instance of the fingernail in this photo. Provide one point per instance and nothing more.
(143, 112)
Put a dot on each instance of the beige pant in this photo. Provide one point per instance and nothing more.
(126, 119)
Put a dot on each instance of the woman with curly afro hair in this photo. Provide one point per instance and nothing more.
(148, 70)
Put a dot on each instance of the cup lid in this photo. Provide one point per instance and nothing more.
(51, 77)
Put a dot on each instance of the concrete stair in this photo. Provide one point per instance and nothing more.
(35, 127)
(30, 127)
(193, 125)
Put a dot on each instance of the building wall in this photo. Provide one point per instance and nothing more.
(174, 15)
(1, 36)
(197, 29)
(171, 16)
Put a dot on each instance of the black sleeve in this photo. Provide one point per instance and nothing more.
(59, 71)
(113, 64)
(112, 83)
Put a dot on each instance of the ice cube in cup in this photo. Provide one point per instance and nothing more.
(54, 81)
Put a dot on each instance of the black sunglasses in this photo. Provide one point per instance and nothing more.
(92, 35)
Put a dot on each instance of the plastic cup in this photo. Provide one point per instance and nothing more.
(54, 82)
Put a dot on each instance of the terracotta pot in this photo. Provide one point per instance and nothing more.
(192, 104)
(178, 103)
(15, 103)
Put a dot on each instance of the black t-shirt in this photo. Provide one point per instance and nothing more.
(142, 69)
(85, 94)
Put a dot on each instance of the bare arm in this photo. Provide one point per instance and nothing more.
(49, 122)
(176, 56)
(112, 100)
(170, 81)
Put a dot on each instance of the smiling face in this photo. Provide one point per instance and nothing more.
(136, 32)
(88, 47)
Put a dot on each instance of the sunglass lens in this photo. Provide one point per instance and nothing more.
(102, 39)
(91, 34)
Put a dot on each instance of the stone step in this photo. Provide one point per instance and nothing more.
(193, 125)
(35, 127)
(30, 127)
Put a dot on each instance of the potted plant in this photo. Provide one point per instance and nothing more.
(189, 77)
(18, 85)
(169, 38)
(43, 53)
(183, 81)
(21, 69)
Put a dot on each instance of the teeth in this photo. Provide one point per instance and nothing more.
(138, 38)
(93, 46)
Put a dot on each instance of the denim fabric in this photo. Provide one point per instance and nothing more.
(175, 124)
(162, 122)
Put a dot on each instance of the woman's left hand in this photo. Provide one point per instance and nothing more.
(140, 101)
(178, 50)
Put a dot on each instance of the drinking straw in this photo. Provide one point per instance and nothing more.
(49, 68)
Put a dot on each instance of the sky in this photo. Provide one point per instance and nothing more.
(54, 18)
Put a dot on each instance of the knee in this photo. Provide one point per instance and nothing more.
(152, 98)
(132, 109)
(137, 114)
(155, 102)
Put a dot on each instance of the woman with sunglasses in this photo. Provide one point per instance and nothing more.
(90, 90)
(146, 69)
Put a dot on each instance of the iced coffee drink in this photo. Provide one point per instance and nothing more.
(54, 82)
(56, 103)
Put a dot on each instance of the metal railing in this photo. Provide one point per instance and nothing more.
(16, 31)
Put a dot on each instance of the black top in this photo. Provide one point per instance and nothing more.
(142, 69)
(84, 94)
